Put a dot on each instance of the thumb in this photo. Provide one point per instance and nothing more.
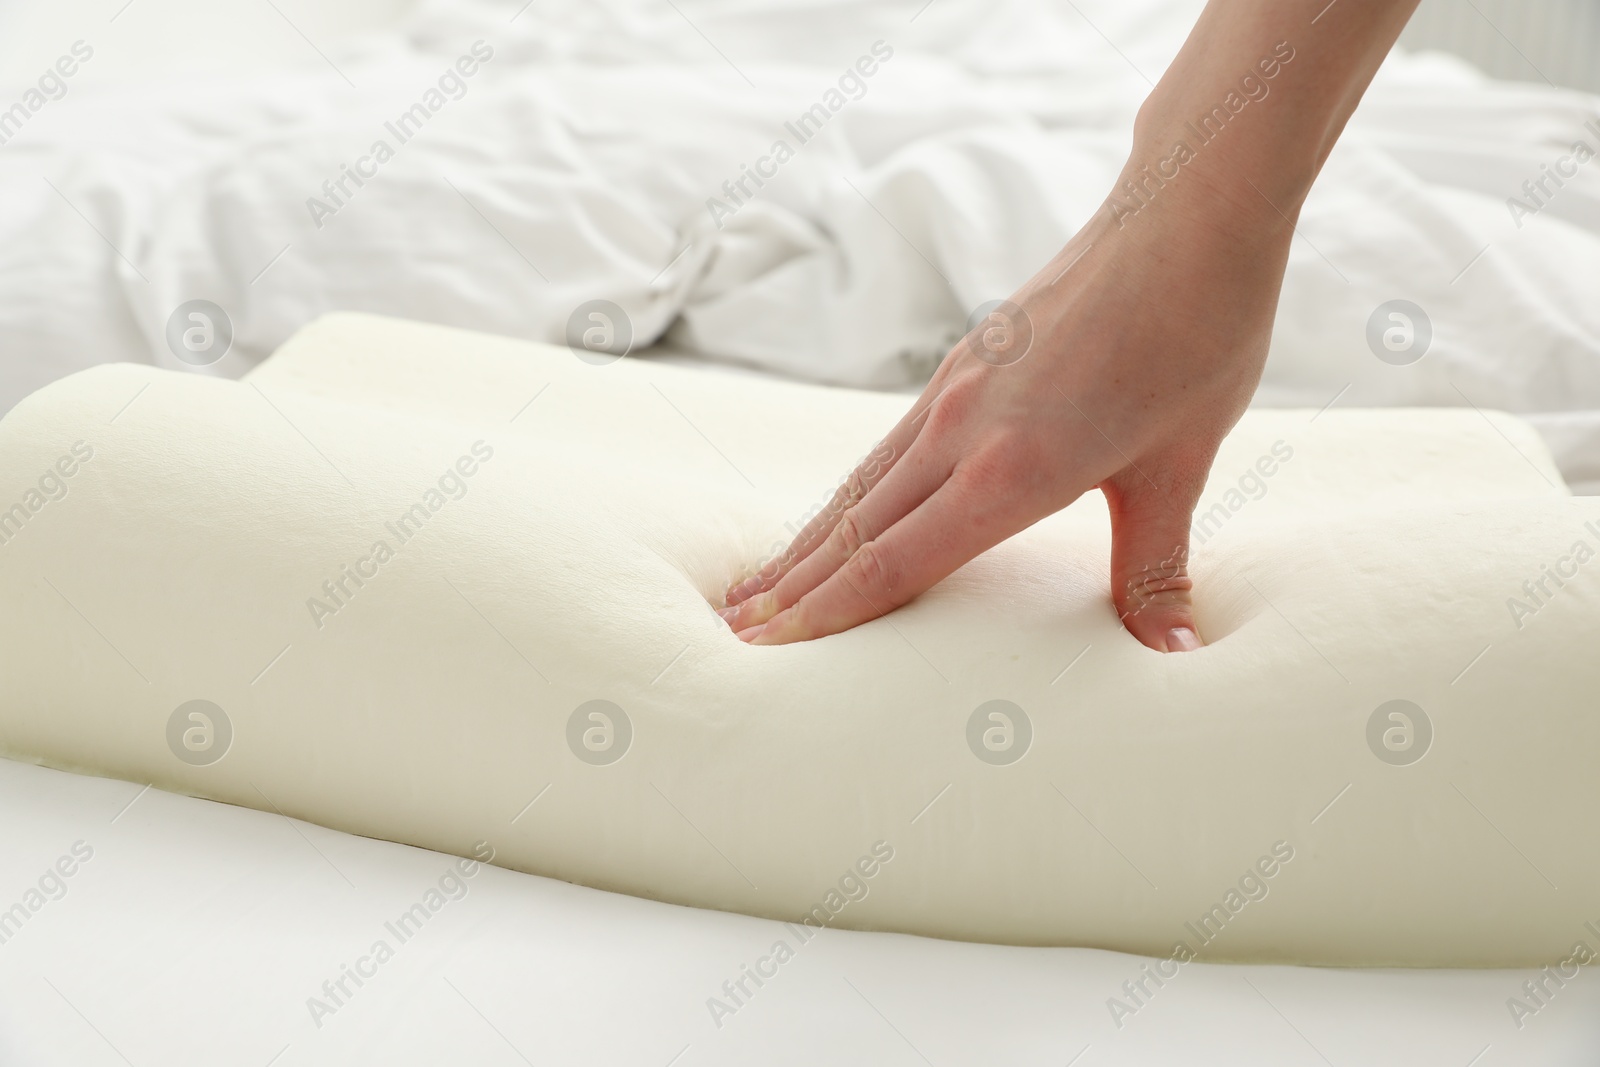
(1150, 582)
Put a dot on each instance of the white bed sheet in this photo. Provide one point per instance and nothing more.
(197, 932)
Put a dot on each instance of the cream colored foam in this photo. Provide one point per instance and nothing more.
(432, 707)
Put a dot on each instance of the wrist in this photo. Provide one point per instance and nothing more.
(1238, 143)
(1177, 179)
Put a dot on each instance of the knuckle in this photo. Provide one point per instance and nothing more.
(953, 407)
(874, 572)
(795, 621)
(851, 490)
(873, 466)
(851, 533)
(1004, 461)
(1163, 584)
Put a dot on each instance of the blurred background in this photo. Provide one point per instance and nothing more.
(1529, 40)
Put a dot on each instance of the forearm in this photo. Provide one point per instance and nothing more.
(1253, 103)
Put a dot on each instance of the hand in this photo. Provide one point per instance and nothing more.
(1135, 351)
(1120, 366)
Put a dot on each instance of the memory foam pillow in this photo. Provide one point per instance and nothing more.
(451, 590)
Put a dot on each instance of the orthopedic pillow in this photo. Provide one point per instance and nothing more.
(447, 589)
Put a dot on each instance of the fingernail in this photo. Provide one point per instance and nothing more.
(727, 614)
(1182, 639)
(751, 634)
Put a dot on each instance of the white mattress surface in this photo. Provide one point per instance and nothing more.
(197, 932)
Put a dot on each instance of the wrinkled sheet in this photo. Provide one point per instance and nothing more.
(577, 164)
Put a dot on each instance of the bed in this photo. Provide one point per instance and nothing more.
(200, 933)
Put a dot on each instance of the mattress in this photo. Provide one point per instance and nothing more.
(197, 933)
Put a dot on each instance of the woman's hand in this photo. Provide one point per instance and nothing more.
(1120, 366)
(1124, 362)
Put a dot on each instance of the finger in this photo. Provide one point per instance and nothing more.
(941, 534)
(917, 476)
(1150, 579)
(879, 462)
(850, 492)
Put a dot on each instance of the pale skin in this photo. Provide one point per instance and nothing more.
(1148, 335)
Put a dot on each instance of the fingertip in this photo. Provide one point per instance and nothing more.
(758, 609)
(778, 630)
(1183, 639)
(749, 634)
(1169, 628)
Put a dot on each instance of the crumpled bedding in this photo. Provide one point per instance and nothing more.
(586, 157)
